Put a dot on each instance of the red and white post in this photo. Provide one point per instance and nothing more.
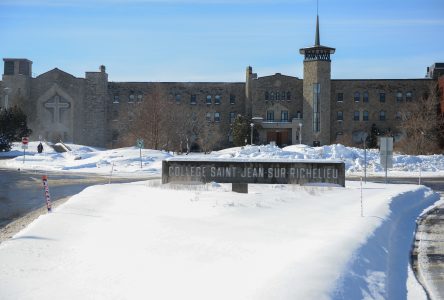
(47, 196)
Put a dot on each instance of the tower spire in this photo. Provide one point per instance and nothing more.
(317, 39)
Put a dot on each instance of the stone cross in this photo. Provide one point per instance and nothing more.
(57, 106)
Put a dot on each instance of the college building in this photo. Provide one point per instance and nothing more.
(313, 110)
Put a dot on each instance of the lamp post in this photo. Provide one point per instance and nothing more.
(7, 97)
(251, 125)
(300, 133)
(365, 156)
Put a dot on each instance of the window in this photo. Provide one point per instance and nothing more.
(357, 96)
(282, 95)
(267, 96)
(116, 99)
(316, 107)
(298, 115)
(339, 134)
(208, 117)
(217, 99)
(340, 97)
(232, 117)
(216, 117)
(278, 96)
(193, 99)
(356, 115)
(365, 97)
(398, 115)
(365, 115)
(399, 97)
(270, 115)
(408, 96)
(208, 99)
(131, 97)
(139, 97)
(130, 116)
(382, 97)
(178, 98)
(272, 96)
(232, 99)
(284, 116)
(382, 115)
(288, 96)
(339, 116)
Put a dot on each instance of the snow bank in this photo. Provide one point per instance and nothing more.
(127, 162)
(143, 240)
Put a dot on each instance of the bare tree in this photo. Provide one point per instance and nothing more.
(421, 124)
(148, 120)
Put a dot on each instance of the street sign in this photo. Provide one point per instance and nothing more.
(139, 143)
(25, 140)
(386, 152)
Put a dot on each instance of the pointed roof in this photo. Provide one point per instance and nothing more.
(317, 39)
(317, 51)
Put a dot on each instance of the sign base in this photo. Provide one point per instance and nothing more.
(239, 188)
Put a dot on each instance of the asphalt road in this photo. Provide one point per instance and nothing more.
(22, 191)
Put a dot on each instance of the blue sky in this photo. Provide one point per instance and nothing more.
(215, 40)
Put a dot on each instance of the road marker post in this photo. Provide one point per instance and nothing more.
(47, 196)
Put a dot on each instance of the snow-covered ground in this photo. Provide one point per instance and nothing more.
(126, 161)
(152, 241)
(148, 241)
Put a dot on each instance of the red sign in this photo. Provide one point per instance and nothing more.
(25, 140)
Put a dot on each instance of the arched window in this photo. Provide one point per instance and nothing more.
(272, 96)
(288, 96)
(278, 96)
(365, 116)
(365, 97)
(382, 115)
(208, 99)
(357, 96)
(399, 97)
(356, 115)
(408, 96)
(339, 116)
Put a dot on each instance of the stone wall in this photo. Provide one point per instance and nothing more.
(319, 72)
(349, 127)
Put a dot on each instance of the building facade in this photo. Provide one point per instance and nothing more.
(313, 110)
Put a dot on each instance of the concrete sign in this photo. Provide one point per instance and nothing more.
(184, 171)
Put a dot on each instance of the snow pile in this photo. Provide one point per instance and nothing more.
(126, 161)
(123, 161)
(143, 240)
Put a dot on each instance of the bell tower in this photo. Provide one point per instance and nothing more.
(316, 92)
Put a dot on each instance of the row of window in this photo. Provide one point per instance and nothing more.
(284, 116)
(208, 99)
(277, 95)
(131, 98)
(365, 97)
(365, 116)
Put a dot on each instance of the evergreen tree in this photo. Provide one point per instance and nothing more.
(13, 126)
(241, 130)
(374, 133)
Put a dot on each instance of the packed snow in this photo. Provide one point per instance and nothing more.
(145, 240)
(127, 161)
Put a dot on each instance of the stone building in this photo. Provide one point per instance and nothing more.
(314, 110)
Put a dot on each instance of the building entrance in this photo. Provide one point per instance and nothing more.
(281, 137)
